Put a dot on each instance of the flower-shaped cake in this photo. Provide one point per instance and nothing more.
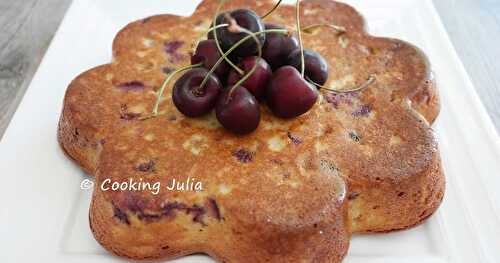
(293, 190)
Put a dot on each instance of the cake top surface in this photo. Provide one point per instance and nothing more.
(287, 171)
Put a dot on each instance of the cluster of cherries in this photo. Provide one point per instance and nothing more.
(271, 66)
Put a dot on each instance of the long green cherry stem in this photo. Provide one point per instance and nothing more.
(165, 83)
(214, 25)
(272, 10)
(259, 54)
(338, 29)
(228, 52)
(212, 28)
(301, 45)
(371, 79)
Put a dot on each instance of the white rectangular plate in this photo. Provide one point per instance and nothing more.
(44, 213)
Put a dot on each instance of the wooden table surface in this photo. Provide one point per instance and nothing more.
(27, 27)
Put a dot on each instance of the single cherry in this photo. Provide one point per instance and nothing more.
(247, 19)
(193, 100)
(289, 95)
(316, 68)
(278, 47)
(257, 82)
(208, 54)
(238, 111)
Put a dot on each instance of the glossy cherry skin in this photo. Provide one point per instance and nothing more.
(316, 66)
(247, 19)
(239, 113)
(289, 95)
(257, 82)
(208, 54)
(278, 47)
(192, 100)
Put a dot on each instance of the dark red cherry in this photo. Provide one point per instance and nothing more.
(289, 95)
(258, 81)
(208, 54)
(278, 47)
(193, 100)
(316, 66)
(238, 113)
(247, 19)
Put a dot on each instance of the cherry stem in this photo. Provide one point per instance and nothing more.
(297, 18)
(271, 11)
(150, 116)
(249, 74)
(371, 79)
(228, 52)
(338, 29)
(214, 25)
(165, 83)
(210, 30)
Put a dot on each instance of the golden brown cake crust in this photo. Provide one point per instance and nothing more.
(292, 191)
